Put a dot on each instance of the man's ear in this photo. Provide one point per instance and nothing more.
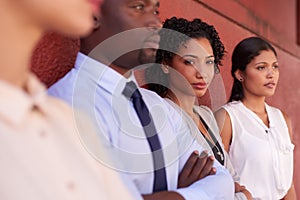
(96, 22)
(239, 75)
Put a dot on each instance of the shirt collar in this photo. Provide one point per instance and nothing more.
(15, 103)
(105, 77)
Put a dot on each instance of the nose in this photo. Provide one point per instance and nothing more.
(155, 23)
(270, 73)
(201, 73)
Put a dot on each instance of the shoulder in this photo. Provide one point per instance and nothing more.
(221, 112)
(285, 116)
(153, 98)
(203, 110)
(58, 104)
(232, 105)
(277, 113)
(222, 117)
(63, 85)
(206, 113)
(162, 107)
(282, 116)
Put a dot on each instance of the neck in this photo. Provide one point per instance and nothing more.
(17, 43)
(186, 102)
(100, 54)
(257, 105)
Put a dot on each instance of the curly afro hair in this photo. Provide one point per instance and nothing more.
(192, 29)
(176, 32)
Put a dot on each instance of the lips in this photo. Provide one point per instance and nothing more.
(200, 85)
(270, 85)
(152, 42)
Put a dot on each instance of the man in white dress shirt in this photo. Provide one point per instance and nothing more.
(96, 85)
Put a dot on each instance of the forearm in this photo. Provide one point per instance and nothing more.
(243, 195)
(219, 186)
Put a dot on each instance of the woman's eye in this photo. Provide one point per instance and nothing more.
(210, 62)
(260, 68)
(275, 67)
(189, 62)
(156, 12)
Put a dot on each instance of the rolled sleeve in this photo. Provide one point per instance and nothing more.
(218, 186)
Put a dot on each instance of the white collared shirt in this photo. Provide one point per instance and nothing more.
(41, 153)
(97, 89)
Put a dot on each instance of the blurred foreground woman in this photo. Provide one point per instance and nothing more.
(41, 154)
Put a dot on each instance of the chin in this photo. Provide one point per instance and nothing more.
(77, 29)
(199, 94)
(147, 56)
(269, 94)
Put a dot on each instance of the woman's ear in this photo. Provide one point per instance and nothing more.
(239, 75)
(165, 68)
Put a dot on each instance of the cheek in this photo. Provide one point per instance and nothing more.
(277, 76)
(208, 73)
(187, 73)
(211, 73)
(181, 69)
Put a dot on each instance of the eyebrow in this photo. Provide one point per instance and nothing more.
(190, 55)
(265, 63)
(158, 4)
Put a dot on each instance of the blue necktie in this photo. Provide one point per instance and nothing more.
(160, 179)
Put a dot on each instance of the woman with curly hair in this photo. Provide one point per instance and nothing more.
(188, 58)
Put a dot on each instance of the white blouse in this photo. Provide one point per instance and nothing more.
(261, 155)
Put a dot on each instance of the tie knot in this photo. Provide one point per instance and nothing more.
(131, 90)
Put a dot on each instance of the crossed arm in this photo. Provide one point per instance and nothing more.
(197, 167)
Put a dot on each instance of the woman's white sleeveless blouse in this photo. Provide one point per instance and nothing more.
(261, 155)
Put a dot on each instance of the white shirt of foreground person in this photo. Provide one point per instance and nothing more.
(97, 89)
(41, 154)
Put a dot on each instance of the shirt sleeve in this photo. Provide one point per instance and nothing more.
(218, 186)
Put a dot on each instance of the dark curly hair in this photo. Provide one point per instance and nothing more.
(175, 32)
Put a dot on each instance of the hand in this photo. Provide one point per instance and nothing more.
(196, 168)
(165, 195)
(240, 188)
(247, 194)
